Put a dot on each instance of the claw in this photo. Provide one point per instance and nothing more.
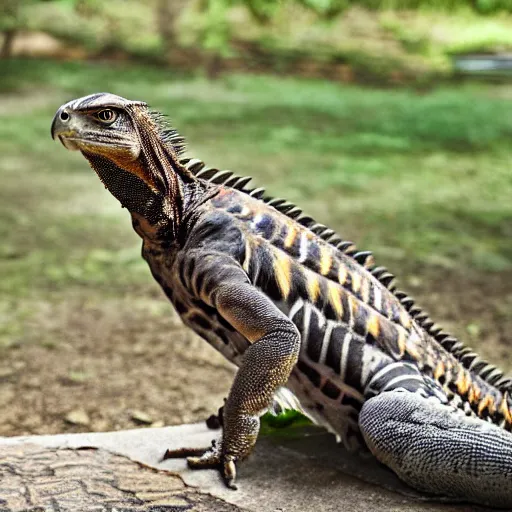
(211, 458)
(230, 472)
(202, 462)
(181, 453)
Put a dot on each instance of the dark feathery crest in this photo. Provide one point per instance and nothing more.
(168, 134)
(463, 354)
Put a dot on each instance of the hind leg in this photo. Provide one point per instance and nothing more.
(434, 448)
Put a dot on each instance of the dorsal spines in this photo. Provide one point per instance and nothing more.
(334, 239)
(207, 174)
(365, 258)
(386, 279)
(415, 311)
(345, 245)
(478, 365)
(436, 330)
(294, 213)
(257, 193)
(305, 220)
(167, 133)
(221, 177)
(230, 182)
(276, 202)
(318, 228)
(193, 165)
(240, 183)
(327, 234)
(465, 355)
(285, 208)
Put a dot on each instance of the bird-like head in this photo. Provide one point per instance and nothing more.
(131, 149)
(100, 124)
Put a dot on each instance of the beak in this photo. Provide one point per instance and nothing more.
(63, 127)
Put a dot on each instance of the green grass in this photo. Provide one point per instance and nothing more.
(422, 180)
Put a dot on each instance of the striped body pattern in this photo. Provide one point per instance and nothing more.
(293, 305)
(357, 337)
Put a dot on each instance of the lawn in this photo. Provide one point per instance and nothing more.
(422, 179)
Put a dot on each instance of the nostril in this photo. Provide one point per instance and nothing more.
(64, 116)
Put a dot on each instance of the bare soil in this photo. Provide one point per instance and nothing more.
(107, 364)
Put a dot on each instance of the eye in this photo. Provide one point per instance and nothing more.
(107, 115)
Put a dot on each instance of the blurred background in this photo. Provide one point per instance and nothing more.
(390, 121)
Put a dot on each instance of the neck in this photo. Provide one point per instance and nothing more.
(159, 212)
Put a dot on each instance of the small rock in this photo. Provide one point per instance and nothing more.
(33, 382)
(6, 372)
(139, 349)
(157, 424)
(6, 396)
(77, 417)
(141, 417)
(101, 425)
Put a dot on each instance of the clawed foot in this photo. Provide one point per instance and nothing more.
(210, 458)
(213, 458)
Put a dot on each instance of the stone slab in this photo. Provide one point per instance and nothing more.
(305, 471)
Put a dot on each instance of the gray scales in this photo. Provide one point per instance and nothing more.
(295, 306)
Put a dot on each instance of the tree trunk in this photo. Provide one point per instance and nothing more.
(8, 43)
(213, 66)
(168, 12)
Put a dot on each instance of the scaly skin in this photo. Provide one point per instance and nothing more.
(291, 304)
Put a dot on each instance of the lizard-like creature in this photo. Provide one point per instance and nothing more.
(293, 305)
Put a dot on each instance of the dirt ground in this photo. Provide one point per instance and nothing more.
(107, 366)
(118, 363)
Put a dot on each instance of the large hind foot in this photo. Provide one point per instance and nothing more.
(436, 449)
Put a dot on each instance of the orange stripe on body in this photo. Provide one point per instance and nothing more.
(463, 382)
(325, 260)
(290, 236)
(283, 272)
(405, 318)
(374, 326)
(402, 344)
(487, 402)
(335, 298)
(440, 370)
(313, 286)
(365, 291)
(356, 282)
(342, 275)
(474, 394)
(504, 409)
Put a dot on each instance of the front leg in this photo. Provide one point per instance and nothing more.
(266, 366)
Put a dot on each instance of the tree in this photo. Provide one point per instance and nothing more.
(168, 12)
(9, 24)
(13, 18)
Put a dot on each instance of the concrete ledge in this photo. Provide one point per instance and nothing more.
(123, 472)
